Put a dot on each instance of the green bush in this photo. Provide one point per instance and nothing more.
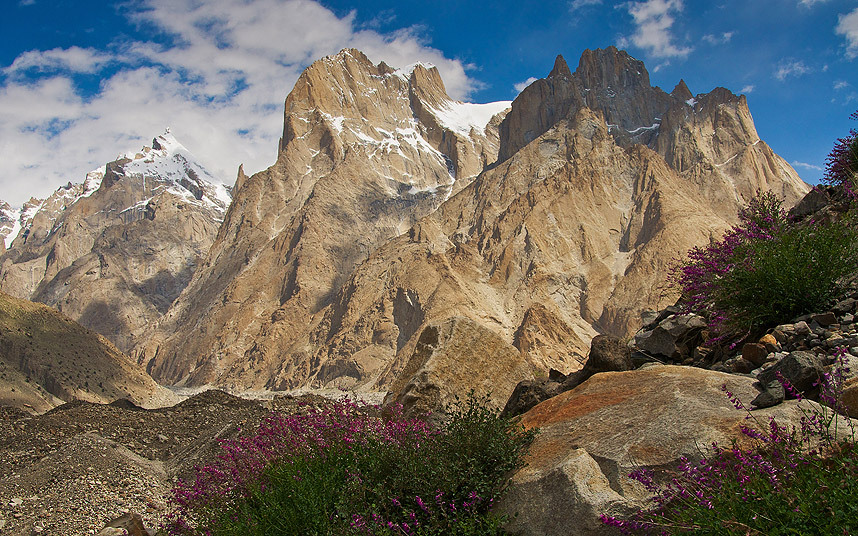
(798, 271)
(342, 471)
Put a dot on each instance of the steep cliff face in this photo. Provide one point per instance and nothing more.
(115, 251)
(370, 228)
(366, 152)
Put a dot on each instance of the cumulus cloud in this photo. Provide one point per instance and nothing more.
(219, 82)
(521, 85)
(788, 68)
(653, 20)
(847, 26)
(747, 89)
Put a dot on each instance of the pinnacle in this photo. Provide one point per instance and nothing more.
(561, 69)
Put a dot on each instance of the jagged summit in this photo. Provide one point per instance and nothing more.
(114, 251)
(561, 69)
(392, 208)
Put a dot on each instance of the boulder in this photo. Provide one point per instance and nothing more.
(451, 359)
(771, 395)
(593, 436)
(606, 354)
(801, 369)
(129, 523)
(849, 397)
(754, 352)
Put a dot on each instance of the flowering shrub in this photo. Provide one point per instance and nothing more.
(765, 270)
(790, 481)
(842, 162)
(342, 471)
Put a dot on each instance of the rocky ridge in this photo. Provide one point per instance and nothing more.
(116, 250)
(547, 246)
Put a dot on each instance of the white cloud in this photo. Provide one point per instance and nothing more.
(810, 3)
(789, 68)
(220, 88)
(575, 5)
(796, 163)
(75, 59)
(841, 84)
(747, 89)
(847, 26)
(653, 20)
(521, 85)
(718, 39)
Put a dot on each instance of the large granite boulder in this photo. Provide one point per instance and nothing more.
(593, 436)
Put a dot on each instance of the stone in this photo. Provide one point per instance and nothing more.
(825, 319)
(129, 523)
(481, 224)
(771, 395)
(593, 436)
(15, 502)
(742, 366)
(801, 328)
(849, 397)
(801, 369)
(607, 354)
(453, 358)
(845, 306)
(771, 342)
(657, 342)
(755, 353)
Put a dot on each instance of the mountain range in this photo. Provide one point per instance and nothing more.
(392, 209)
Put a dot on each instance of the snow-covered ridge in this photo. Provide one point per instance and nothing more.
(461, 117)
(172, 167)
(10, 223)
(405, 72)
(165, 166)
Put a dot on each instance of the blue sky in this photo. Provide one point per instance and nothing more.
(82, 81)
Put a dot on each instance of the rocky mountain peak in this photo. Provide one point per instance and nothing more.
(561, 69)
(681, 92)
(611, 68)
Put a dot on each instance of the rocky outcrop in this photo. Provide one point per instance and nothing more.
(452, 359)
(366, 152)
(593, 436)
(114, 252)
(47, 359)
(607, 354)
(567, 235)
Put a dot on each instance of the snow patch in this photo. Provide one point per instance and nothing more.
(405, 72)
(461, 117)
(691, 102)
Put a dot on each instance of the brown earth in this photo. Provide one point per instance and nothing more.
(75, 468)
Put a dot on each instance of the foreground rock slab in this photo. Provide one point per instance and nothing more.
(593, 436)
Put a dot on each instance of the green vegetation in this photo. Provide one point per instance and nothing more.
(341, 470)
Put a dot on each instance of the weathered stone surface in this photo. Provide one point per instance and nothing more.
(593, 436)
(453, 358)
(801, 369)
(114, 252)
(658, 342)
(754, 352)
(566, 235)
(771, 395)
(606, 354)
(129, 523)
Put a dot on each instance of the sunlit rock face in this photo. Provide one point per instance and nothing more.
(392, 208)
(115, 251)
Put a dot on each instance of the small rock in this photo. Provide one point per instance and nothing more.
(801, 328)
(2, 523)
(162, 438)
(772, 395)
(16, 502)
(848, 318)
(756, 353)
(742, 366)
(825, 319)
(770, 342)
(801, 369)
